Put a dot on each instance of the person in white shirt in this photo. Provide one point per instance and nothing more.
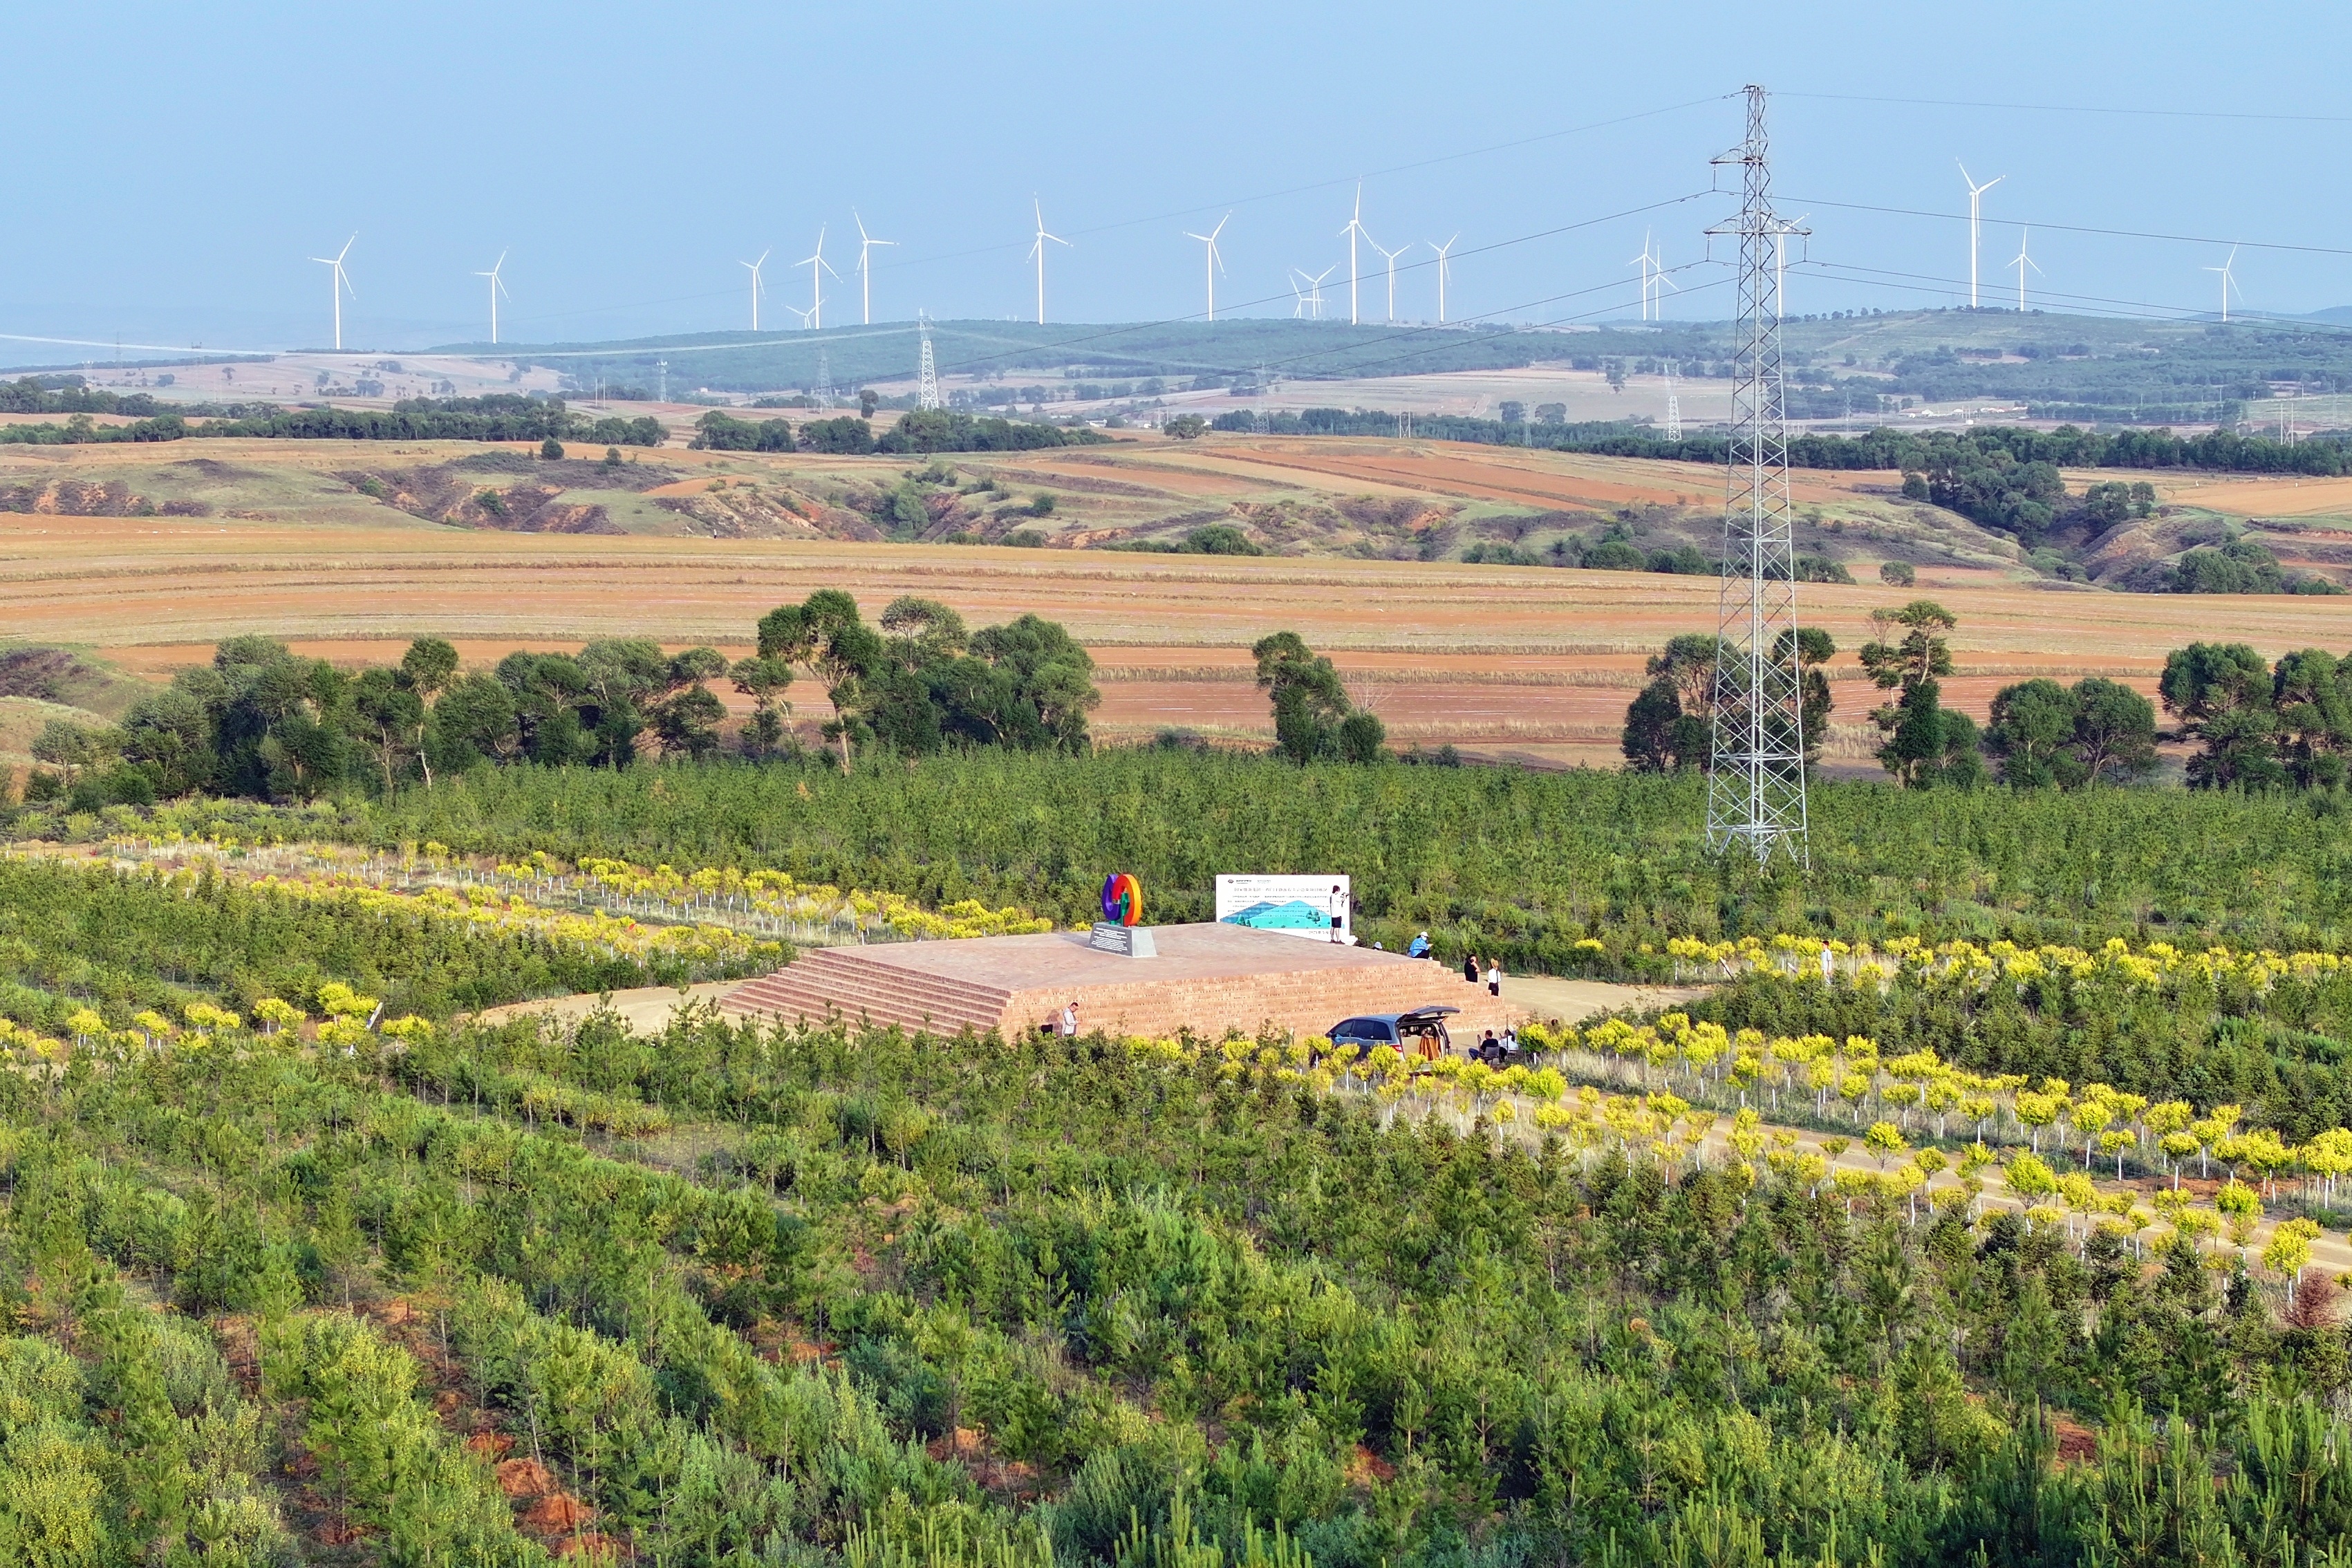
(1068, 1023)
(1494, 978)
(1338, 910)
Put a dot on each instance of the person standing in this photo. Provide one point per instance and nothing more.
(1829, 965)
(1470, 967)
(1068, 1025)
(1338, 910)
(1494, 977)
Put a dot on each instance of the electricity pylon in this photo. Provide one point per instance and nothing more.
(1756, 786)
(927, 384)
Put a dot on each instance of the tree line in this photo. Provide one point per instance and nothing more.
(261, 722)
(922, 430)
(498, 416)
(1908, 451)
(2255, 723)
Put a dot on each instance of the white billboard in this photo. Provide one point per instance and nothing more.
(1293, 905)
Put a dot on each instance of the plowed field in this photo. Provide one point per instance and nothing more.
(1534, 662)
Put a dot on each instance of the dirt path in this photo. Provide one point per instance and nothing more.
(646, 1009)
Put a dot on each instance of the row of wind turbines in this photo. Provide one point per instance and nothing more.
(1307, 301)
(339, 283)
(2021, 261)
(1306, 288)
(814, 317)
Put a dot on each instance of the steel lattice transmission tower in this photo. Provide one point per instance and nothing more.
(1755, 788)
(927, 384)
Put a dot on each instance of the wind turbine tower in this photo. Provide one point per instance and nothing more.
(338, 284)
(2228, 283)
(1389, 257)
(1037, 250)
(1355, 227)
(1444, 268)
(1976, 195)
(1755, 788)
(865, 243)
(1780, 260)
(497, 289)
(2022, 262)
(1645, 262)
(758, 288)
(818, 266)
(1216, 263)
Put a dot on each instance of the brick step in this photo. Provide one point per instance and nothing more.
(830, 981)
(795, 1002)
(848, 966)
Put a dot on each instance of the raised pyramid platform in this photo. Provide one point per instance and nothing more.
(1208, 977)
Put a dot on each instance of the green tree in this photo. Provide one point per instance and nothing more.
(2032, 735)
(426, 669)
(825, 633)
(391, 721)
(2222, 695)
(2314, 717)
(1186, 427)
(1308, 699)
(1929, 744)
(2115, 731)
(551, 450)
(1658, 735)
(764, 681)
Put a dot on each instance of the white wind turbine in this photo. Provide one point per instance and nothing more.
(2021, 261)
(1315, 288)
(1976, 195)
(497, 289)
(1645, 262)
(758, 287)
(1390, 256)
(1659, 283)
(804, 315)
(1355, 226)
(1037, 250)
(818, 266)
(1444, 268)
(1216, 263)
(338, 284)
(2228, 281)
(1781, 261)
(867, 242)
(1298, 300)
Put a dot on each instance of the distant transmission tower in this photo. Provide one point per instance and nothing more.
(927, 383)
(1674, 406)
(1756, 792)
(824, 379)
(661, 381)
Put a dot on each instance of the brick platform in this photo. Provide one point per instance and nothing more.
(1210, 978)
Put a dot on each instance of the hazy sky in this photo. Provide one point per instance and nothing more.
(176, 164)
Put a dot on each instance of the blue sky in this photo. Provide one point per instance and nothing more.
(189, 158)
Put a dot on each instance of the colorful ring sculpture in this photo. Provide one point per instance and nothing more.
(1122, 899)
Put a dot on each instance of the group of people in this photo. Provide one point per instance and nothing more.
(1499, 1051)
(1494, 972)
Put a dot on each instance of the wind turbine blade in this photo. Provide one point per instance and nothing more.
(346, 250)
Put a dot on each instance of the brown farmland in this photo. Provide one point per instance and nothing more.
(1505, 661)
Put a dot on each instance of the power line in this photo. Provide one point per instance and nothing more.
(2073, 109)
(2084, 228)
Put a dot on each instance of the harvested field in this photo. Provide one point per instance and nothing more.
(1534, 662)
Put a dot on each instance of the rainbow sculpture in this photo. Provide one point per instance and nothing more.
(1122, 899)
